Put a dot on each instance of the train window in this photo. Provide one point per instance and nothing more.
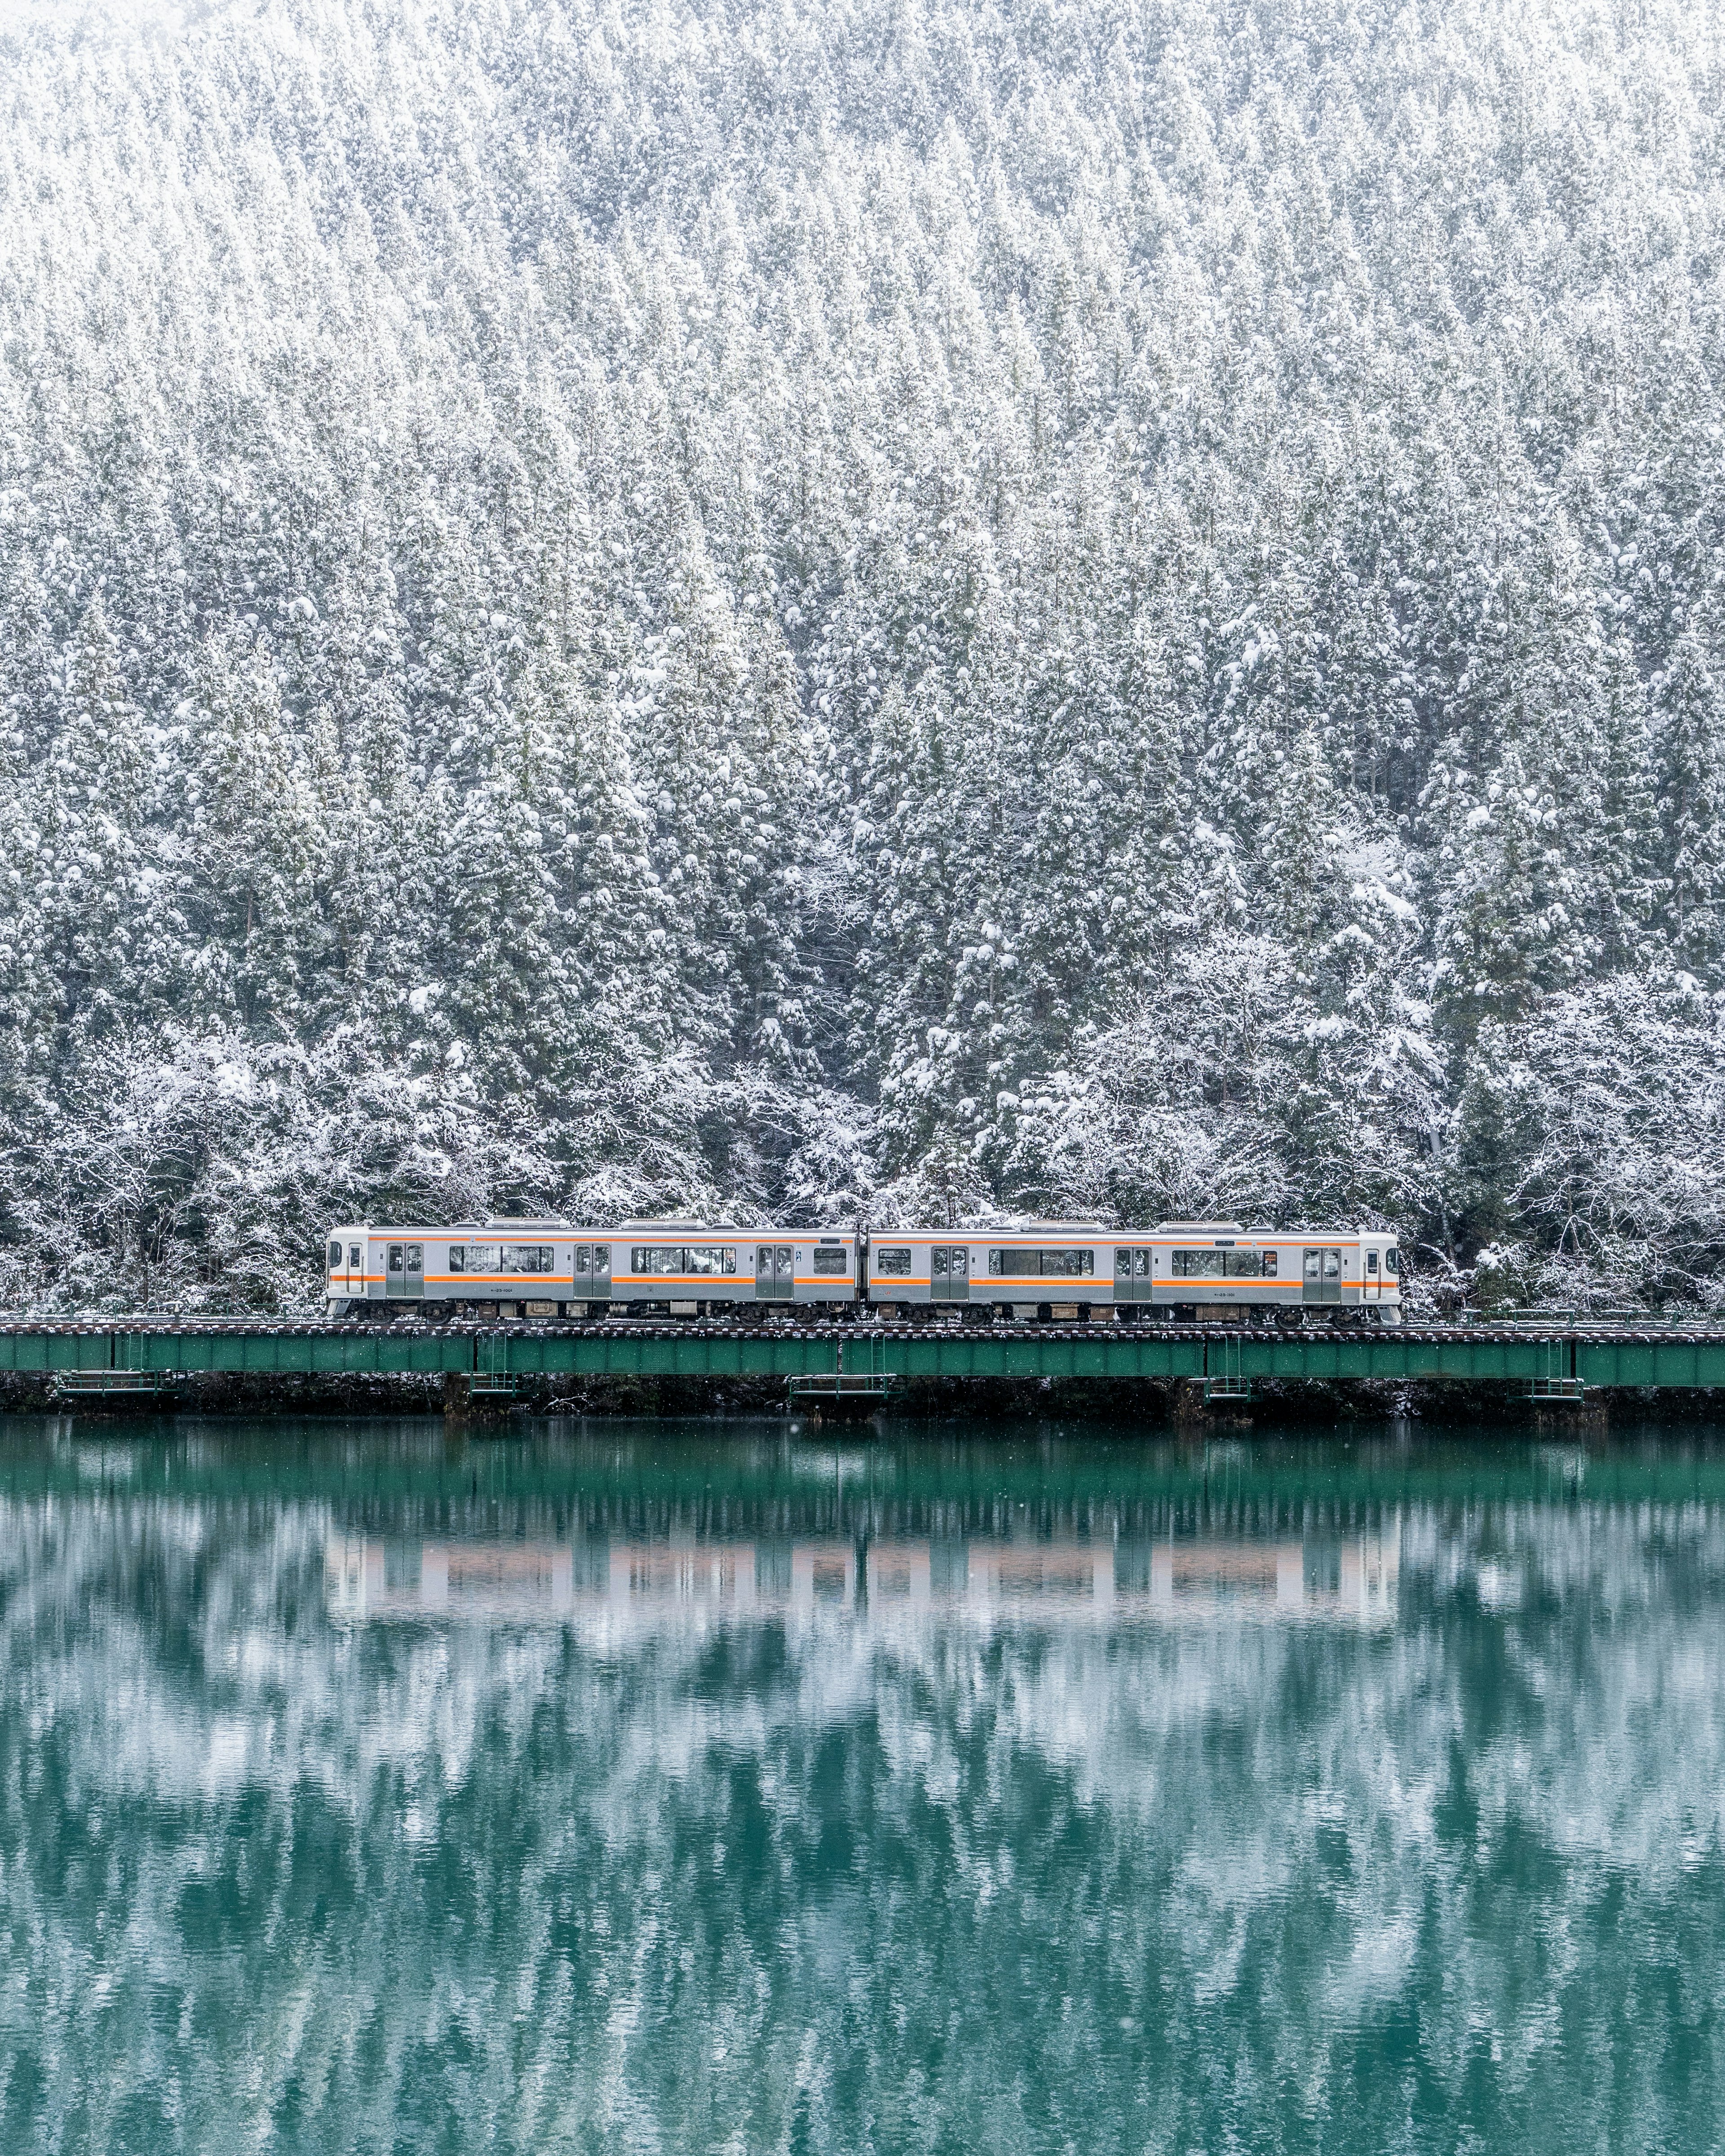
(1223, 1264)
(1391, 1258)
(1023, 1265)
(501, 1258)
(353, 1255)
(602, 1262)
(395, 1257)
(1333, 1265)
(1141, 1264)
(1372, 1262)
(335, 1256)
(713, 1258)
(658, 1259)
(892, 1261)
(583, 1260)
(830, 1262)
(1123, 1264)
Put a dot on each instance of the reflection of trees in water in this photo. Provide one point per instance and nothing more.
(826, 1882)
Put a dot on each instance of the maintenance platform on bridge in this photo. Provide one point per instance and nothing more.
(1555, 1363)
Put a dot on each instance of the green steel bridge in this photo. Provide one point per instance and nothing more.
(1550, 1359)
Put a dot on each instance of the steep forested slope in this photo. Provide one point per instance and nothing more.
(612, 607)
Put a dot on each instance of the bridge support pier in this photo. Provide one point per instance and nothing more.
(1587, 1420)
(457, 1396)
(1201, 1404)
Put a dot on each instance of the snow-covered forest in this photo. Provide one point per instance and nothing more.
(776, 607)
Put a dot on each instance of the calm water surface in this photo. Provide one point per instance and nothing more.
(688, 1788)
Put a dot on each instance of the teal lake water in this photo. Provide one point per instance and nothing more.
(677, 1787)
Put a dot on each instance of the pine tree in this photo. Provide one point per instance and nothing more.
(1692, 721)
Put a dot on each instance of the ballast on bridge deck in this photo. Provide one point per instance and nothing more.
(1556, 1361)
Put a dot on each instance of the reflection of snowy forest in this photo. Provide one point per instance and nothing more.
(610, 607)
(924, 1885)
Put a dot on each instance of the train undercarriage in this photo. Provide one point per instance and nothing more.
(437, 1311)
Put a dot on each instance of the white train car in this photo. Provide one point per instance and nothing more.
(1055, 1270)
(1074, 1270)
(549, 1268)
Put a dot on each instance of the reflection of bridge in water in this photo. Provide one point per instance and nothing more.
(1347, 1579)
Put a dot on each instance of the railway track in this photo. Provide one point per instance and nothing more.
(1559, 1361)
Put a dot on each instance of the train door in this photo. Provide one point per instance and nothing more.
(1132, 1275)
(356, 1267)
(775, 1272)
(1322, 1281)
(1370, 1278)
(949, 1273)
(404, 1271)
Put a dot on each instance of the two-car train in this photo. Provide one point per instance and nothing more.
(1056, 1271)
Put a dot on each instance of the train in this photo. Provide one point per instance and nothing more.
(1050, 1271)
(637, 1581)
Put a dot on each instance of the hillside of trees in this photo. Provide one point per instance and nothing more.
(773, 609)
